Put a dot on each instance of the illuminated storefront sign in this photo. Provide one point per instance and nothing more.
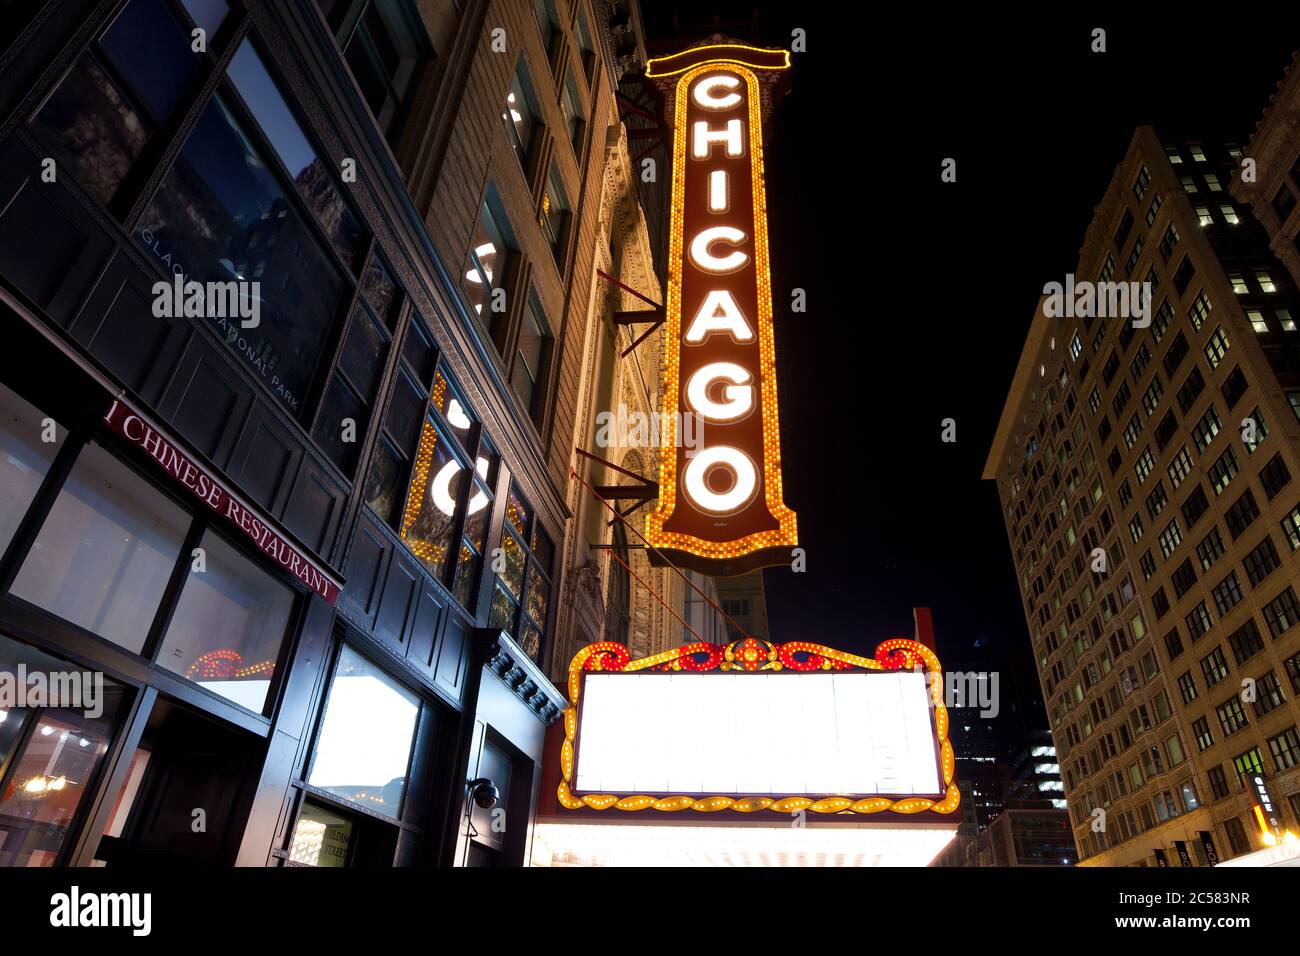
(721, 507)
(754, 726)
(132, 426)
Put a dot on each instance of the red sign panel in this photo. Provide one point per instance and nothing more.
(721, 507)
(130, 425)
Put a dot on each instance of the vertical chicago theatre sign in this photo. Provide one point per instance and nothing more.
(721, 508)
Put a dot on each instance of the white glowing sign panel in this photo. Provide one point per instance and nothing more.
(757, 733)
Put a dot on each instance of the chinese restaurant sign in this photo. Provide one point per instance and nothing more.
(721, 508)
(754, 726)
(131, 425)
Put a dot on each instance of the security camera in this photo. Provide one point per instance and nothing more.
(484, 793)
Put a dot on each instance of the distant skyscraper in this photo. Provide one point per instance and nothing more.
(1168, 451)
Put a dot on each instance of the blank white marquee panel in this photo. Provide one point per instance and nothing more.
(745, 734)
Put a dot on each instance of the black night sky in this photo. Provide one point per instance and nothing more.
(920, 293)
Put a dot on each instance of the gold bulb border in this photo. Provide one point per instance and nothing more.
(893, 654)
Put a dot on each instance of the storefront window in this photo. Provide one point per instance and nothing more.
(50, 751)
(522, 593)
(228, 627)
(364, 746)
(25, 457)
(107, 548)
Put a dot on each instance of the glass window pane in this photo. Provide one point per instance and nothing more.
(380, 290)
(530, 640)
(228, 626)
(479, 514)
(503, 610)
(385, 483)
(447, 400)
(513, 575)
(466, 575)
(310, 173)
(539, 590)
(208, 14)
(221, 215)
(518, 513)
(487, 257)
(93, 129)
(341, 405)
(365, 736)
(24, 459)
(64, 739)
(418, 351)
(105, 552)
(151, 51)
(428, 522)
(543, 550)
(363, 354)
(406, 413)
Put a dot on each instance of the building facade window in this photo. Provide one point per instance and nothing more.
(521, 597)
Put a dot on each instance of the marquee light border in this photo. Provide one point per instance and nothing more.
(738, 57)
(754, 655)
(785, 535)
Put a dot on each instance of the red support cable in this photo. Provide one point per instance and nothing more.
(655, 595)
(663, 557)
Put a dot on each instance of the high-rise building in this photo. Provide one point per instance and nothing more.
(1144, 470)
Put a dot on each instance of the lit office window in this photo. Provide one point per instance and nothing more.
(485, 268)
(106, 551)
(1203, 214)
(1284, 319)
(364, 746)
(521, 114)
(554, 218)
(1265, 280)
(1229, 215)
(1256, 318)
(531, 352)
(1238, 283)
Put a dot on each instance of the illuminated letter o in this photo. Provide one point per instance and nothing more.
(728, 501)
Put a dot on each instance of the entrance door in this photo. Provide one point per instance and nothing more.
(185, 799)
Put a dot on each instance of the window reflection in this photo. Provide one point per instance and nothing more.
(52, 750)
(221, 214)
(310, 174)
(365, 738)
(227, 629)
(434, 497)
(107, 548)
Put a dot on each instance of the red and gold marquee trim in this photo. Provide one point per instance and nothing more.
(755, 655)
